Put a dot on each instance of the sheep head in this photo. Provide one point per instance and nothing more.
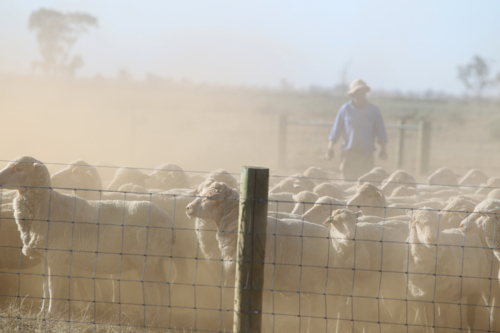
(397, 179)
(484, 221)
(24, 171)
(78, 174)
(424, 225)
(455, 211)
(302, 200)
(322, 209)
(376, 175)
(370, 198)
(474, 177)
(443, 176)
(342, 224)
(213, 203)
(168, 176)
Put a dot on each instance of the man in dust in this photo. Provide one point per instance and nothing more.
(359, 124)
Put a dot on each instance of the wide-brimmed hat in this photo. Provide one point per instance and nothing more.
(358, 84)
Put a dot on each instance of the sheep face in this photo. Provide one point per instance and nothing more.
(370, 199)
(213, 202)
(424, 226)
(342, 224)
(24, 171)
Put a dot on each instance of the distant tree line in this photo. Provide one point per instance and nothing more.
(56, 34)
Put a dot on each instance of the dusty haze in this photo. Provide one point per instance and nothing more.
(202, 128)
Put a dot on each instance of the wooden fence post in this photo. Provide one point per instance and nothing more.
(282, 129)
(424, 147)
(252, 228)
(400, 145)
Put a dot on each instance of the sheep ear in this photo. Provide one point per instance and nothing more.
(90, 173)
(380, 193)
(36, 165)
(409, 212)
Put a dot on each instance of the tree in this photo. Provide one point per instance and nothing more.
(56, 34)
(476, 75)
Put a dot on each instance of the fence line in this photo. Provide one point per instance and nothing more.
(424, 140)
(298, 270)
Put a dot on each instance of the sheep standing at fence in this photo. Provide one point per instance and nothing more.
(369, 270)
(322, 209)
(447, 271)
(297, 251)
(67, 231)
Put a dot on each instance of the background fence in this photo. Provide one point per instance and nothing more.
(226, 266)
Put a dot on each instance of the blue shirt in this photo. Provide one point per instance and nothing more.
(358, 127)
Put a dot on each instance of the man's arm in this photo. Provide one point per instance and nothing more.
(335, 133)
(381, 135)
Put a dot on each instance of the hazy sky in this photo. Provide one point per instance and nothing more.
(392, 44)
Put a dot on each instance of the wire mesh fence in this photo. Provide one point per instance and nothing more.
(166, 261)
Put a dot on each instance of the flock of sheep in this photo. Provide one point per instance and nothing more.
(383, 254)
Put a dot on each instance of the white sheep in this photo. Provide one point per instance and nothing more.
(290, 185)
(484, 222)
(303, 201)
(322, 209)
(447, 271)
(168, 176)
(281, 202)
(370, 200)
(369, 260)
(127, 175)
(79, 176)
(93, 236)
(297, 252)
(329, 190)
(318, 173)
(396, 179)
(375, 176)
(443, 176)
(491, 184)
(474, 177)
(455, 212)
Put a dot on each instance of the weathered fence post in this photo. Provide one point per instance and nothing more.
(282, 129)
(400, 145)
(252, 227)
(424, 147)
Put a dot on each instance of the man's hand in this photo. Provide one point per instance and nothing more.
(329, 154)
(382, 155)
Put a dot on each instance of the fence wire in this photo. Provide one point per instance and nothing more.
(165, 262)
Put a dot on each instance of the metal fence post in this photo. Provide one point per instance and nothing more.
(424, 147)
(252, 227)
(282, 129)
(400, 145)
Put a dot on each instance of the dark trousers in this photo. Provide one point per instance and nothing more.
(355, 163)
